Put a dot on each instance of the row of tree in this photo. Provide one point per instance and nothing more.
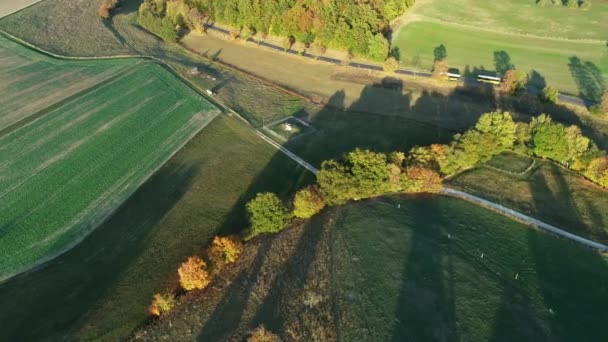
(198, 271)
(365, 174)
(358, 26)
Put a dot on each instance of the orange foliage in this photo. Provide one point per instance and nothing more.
(154, 310)
(193, 274)
(224, 250)
(424, 179)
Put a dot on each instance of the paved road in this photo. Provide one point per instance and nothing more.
(410, 72)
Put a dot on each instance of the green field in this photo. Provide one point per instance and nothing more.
(379, 272)
(522, 16)
(547, 192)
(29, 81)
(511, 162)
(416, 273)
(469, 48)
(66, 170)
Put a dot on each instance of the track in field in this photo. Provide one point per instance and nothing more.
(30, 82)
(63, 172)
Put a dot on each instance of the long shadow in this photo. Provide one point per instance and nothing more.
(588, 78)
(109, 25)
(49, 301)
(273, 311)
(573, 281)
(502, 62)
(103, 286)
(229, 311)
(425, 305)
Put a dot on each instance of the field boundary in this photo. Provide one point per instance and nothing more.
(523, 218)
(103, 216)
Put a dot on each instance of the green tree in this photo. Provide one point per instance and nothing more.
(307, 202)
(550, 141)
(335, 182)
(550, 94)
(440, 53)
(267, 214)
(378, 48)
(369, 172)
(501, 126)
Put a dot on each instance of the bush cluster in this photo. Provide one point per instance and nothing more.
(106, 7)
(196, 273)
(161, 304)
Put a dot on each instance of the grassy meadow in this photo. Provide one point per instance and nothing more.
(572, 66)
(522, 17)
(412, 269)
(547, 192)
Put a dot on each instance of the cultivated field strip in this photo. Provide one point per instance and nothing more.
(31, 82)
(64, 172)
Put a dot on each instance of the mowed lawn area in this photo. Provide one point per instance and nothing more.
(68, 169)
(522, 16)
(440, 269)
(29, 81)
(546, 191)
(572, 66)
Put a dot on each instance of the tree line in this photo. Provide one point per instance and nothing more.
(364, 174)
(358, 26)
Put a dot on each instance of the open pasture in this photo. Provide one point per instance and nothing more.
(440, 269)
(64, 172)
(572, 66)
(522, 17)
(30, 82)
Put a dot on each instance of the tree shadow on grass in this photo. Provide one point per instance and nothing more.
(102, 287)
(588, 78)
(228, 313)
(573, 280)
(425, 305)
(48, 302)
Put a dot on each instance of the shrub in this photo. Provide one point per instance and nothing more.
(549, 94)
(598, 171)
(307, 202)
(193, 274)
(260, 334)
(106, 7)
(423, 180)
(440, 69)
(225, 250)
(513, 82)
(155, 24)
(161, 304)
(391, 65)
(267, 214)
